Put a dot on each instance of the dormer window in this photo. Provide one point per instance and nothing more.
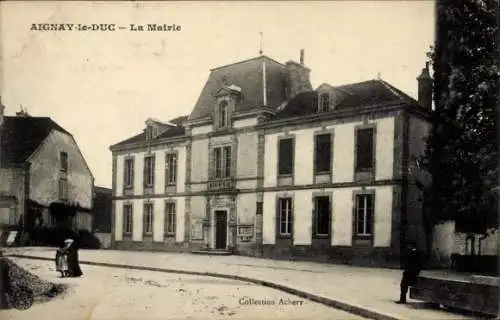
(223, 114)
(151, 132)
(324, 102)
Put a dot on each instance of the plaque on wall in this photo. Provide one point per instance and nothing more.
(197, 231)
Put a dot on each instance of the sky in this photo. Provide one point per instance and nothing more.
(103, 85)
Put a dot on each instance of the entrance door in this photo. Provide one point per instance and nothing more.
(220, 229)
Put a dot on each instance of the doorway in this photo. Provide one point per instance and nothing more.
(220, 229)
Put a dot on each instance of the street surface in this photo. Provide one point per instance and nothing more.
(115, 293)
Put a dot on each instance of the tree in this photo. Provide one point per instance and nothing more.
(462, 149)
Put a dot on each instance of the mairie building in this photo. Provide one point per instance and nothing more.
(266, 165)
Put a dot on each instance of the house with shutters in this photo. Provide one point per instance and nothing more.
(44, 178)
(265, 165)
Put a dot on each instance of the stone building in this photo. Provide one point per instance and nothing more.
(265, 165)
(42, 170)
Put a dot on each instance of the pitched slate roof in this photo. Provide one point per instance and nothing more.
(247, 75)
(356, 95)
(172, 131)
(22, 135)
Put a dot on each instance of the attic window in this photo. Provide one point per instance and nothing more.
(151, 132)
(222, 116)
(324, 102)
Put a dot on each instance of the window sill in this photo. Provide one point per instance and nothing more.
(285, 180)
(364, 175)
(169, 235)
(322, 177)
(284, 236)
(321, 236)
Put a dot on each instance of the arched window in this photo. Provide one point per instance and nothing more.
(324, 102)
(223, 114)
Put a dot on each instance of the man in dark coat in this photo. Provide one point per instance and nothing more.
(413, 266)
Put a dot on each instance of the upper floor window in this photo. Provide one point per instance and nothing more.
(324, 102)
(285, 156)
(222, 162)
(171, 168)
(364, 149)
(128, 173)
(63, 189)
(323, 153)
(149, 171)
(63, 162)
(223, 114)
(148, 218)
(364, 214)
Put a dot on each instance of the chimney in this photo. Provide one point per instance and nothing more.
(297, 77)
(22, 113)
(425, 88)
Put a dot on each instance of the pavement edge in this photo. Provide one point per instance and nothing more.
(350, 308)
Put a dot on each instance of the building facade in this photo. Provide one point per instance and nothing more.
(266, 166)
(42, 170)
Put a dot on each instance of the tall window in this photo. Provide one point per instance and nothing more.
(285, 216)
(64, 161)
(324, 102)
(364, 214)
(128, 172)
(148, 218)
(223, 114)
(170, 218)
(323, 146)
(127, 218)
(63, 189)
(222, 162)
(364, 149)
(171, 168)
(285, 156)
(149, 171)
(322, 216)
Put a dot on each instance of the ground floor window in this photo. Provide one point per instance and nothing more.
(364, 215)
(148, 218)
(170, 216)
(127, 219)
(285, 216)
(322, 216)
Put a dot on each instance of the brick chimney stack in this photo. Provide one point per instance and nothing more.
(297, 79)
(425, 87)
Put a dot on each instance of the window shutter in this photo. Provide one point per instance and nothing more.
(132, 170)
(278, 213)
(124, 218)
(144, 218)
(313, 215)
(165, 219)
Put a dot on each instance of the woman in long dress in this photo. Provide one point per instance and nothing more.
(73, 264)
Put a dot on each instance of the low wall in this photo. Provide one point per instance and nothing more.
(104, 239)
(475, 294)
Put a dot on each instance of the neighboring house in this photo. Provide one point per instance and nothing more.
(101, 209)
(266, 166)
(44, 178)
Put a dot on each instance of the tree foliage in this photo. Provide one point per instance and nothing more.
(462, 149)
